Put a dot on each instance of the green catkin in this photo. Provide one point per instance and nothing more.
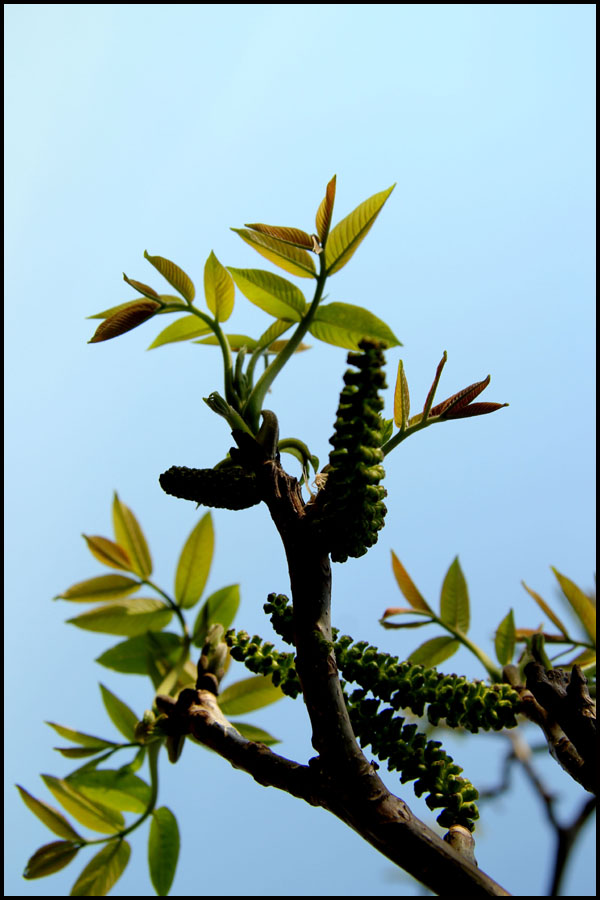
(225, 488)
(349, 510)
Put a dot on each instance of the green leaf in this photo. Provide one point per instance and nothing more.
(134, 656)
(252, 733)
(344, 239)
(545, 608)
(248, 694)
(584, 607)
(103, 870)
(292, 259)
(236, 341)
(275, 329)
(123, 718)
(194, 563)
(131, 616)
(454, 601)
(51, 817)
(434, 651)
(504, 642)
(114, 788)
(86, 811)
(50, 858)
(401, 398)
(174, 275)
(276, 295)
(183, 329)
(103, 587)
(220, 607)
(408, 587)
(79, 737)
(108, 553)
(218, 289)
(344, 325)
(129, 535)
(163, 850)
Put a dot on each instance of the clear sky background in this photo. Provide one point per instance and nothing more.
(158, 127)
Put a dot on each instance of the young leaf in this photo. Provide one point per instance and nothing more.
(174, 275)
(408, 587)
(144, 289)
(344, 239)
(583, 605)
(183, 329)
(122, 717)
(458, 401)
(133, 657)
(344, 325)
(78, 737)
(324, 212)
(103, 870)
(108, 553)
(248, 694)
(504, 642)
(294, 236)
(544, 606)
(125, 320)
(276, 295)
(434, 651)
(454, 601)
(163, 849)
(275, 329)
(401, 398)
(89, 813)
(128, 617)
(252, 733)
(103, 587)
(130, 536)
(114, 788)
(295, 261)
(218, 289)
(51, 817)
(50, 858)
(236, 341)
(221, 607)
(194, 563)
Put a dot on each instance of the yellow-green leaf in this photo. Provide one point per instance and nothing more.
(236, 341)
(276, 295)
(127, 617)
(194, 563)
(345, 325)
(79, 737)
(408, 587)
(125, 320)
(544, 606)
(130, 536)
(294, 236)
(163, 849)
(344, 239)
(434, 651)
(583, 605)
(121, 715)
(325, 211)
(218, 289)
(248, 694)
(401, 398)
(51, 817)
(103, 587)
(183, 329)
(103, 870)
(115, 788)
(454, 601)
(108, 553)
(221, 607)
(144, 289)
(258, 735)
(504, 641)
(89, 813)
(50, 858)
(174, 275)
(292, 259)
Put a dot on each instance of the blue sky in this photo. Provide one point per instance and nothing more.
(159, 128)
